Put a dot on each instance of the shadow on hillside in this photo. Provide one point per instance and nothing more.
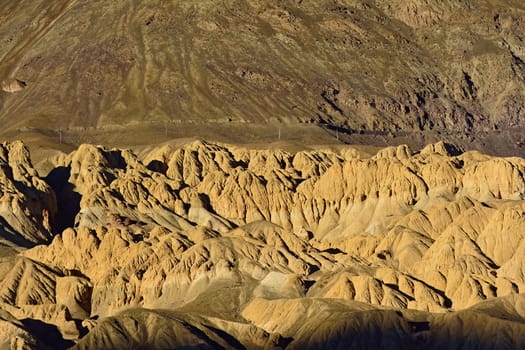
(382, 330)
(68, 200)
(47, 334)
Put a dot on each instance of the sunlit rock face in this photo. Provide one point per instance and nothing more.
(211, 245)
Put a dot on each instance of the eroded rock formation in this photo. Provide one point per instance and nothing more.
(212, 245)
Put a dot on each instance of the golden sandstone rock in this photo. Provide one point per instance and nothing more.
(13, 85)
(300, 249)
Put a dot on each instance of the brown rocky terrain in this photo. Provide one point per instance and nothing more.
(213, 246)
(262, 238)
(379, 72)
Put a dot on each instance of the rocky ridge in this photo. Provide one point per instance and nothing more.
(206, 243)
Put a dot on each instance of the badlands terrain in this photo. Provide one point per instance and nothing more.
(207, 245)
(120, 228)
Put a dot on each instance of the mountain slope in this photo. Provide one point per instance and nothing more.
(380, 71)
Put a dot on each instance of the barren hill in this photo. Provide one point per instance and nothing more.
(276, 242)
(380, 72)
(216, 246)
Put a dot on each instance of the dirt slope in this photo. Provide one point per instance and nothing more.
(380, 72)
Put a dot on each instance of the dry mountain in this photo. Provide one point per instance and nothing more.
(150, 242)
(379, 72)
